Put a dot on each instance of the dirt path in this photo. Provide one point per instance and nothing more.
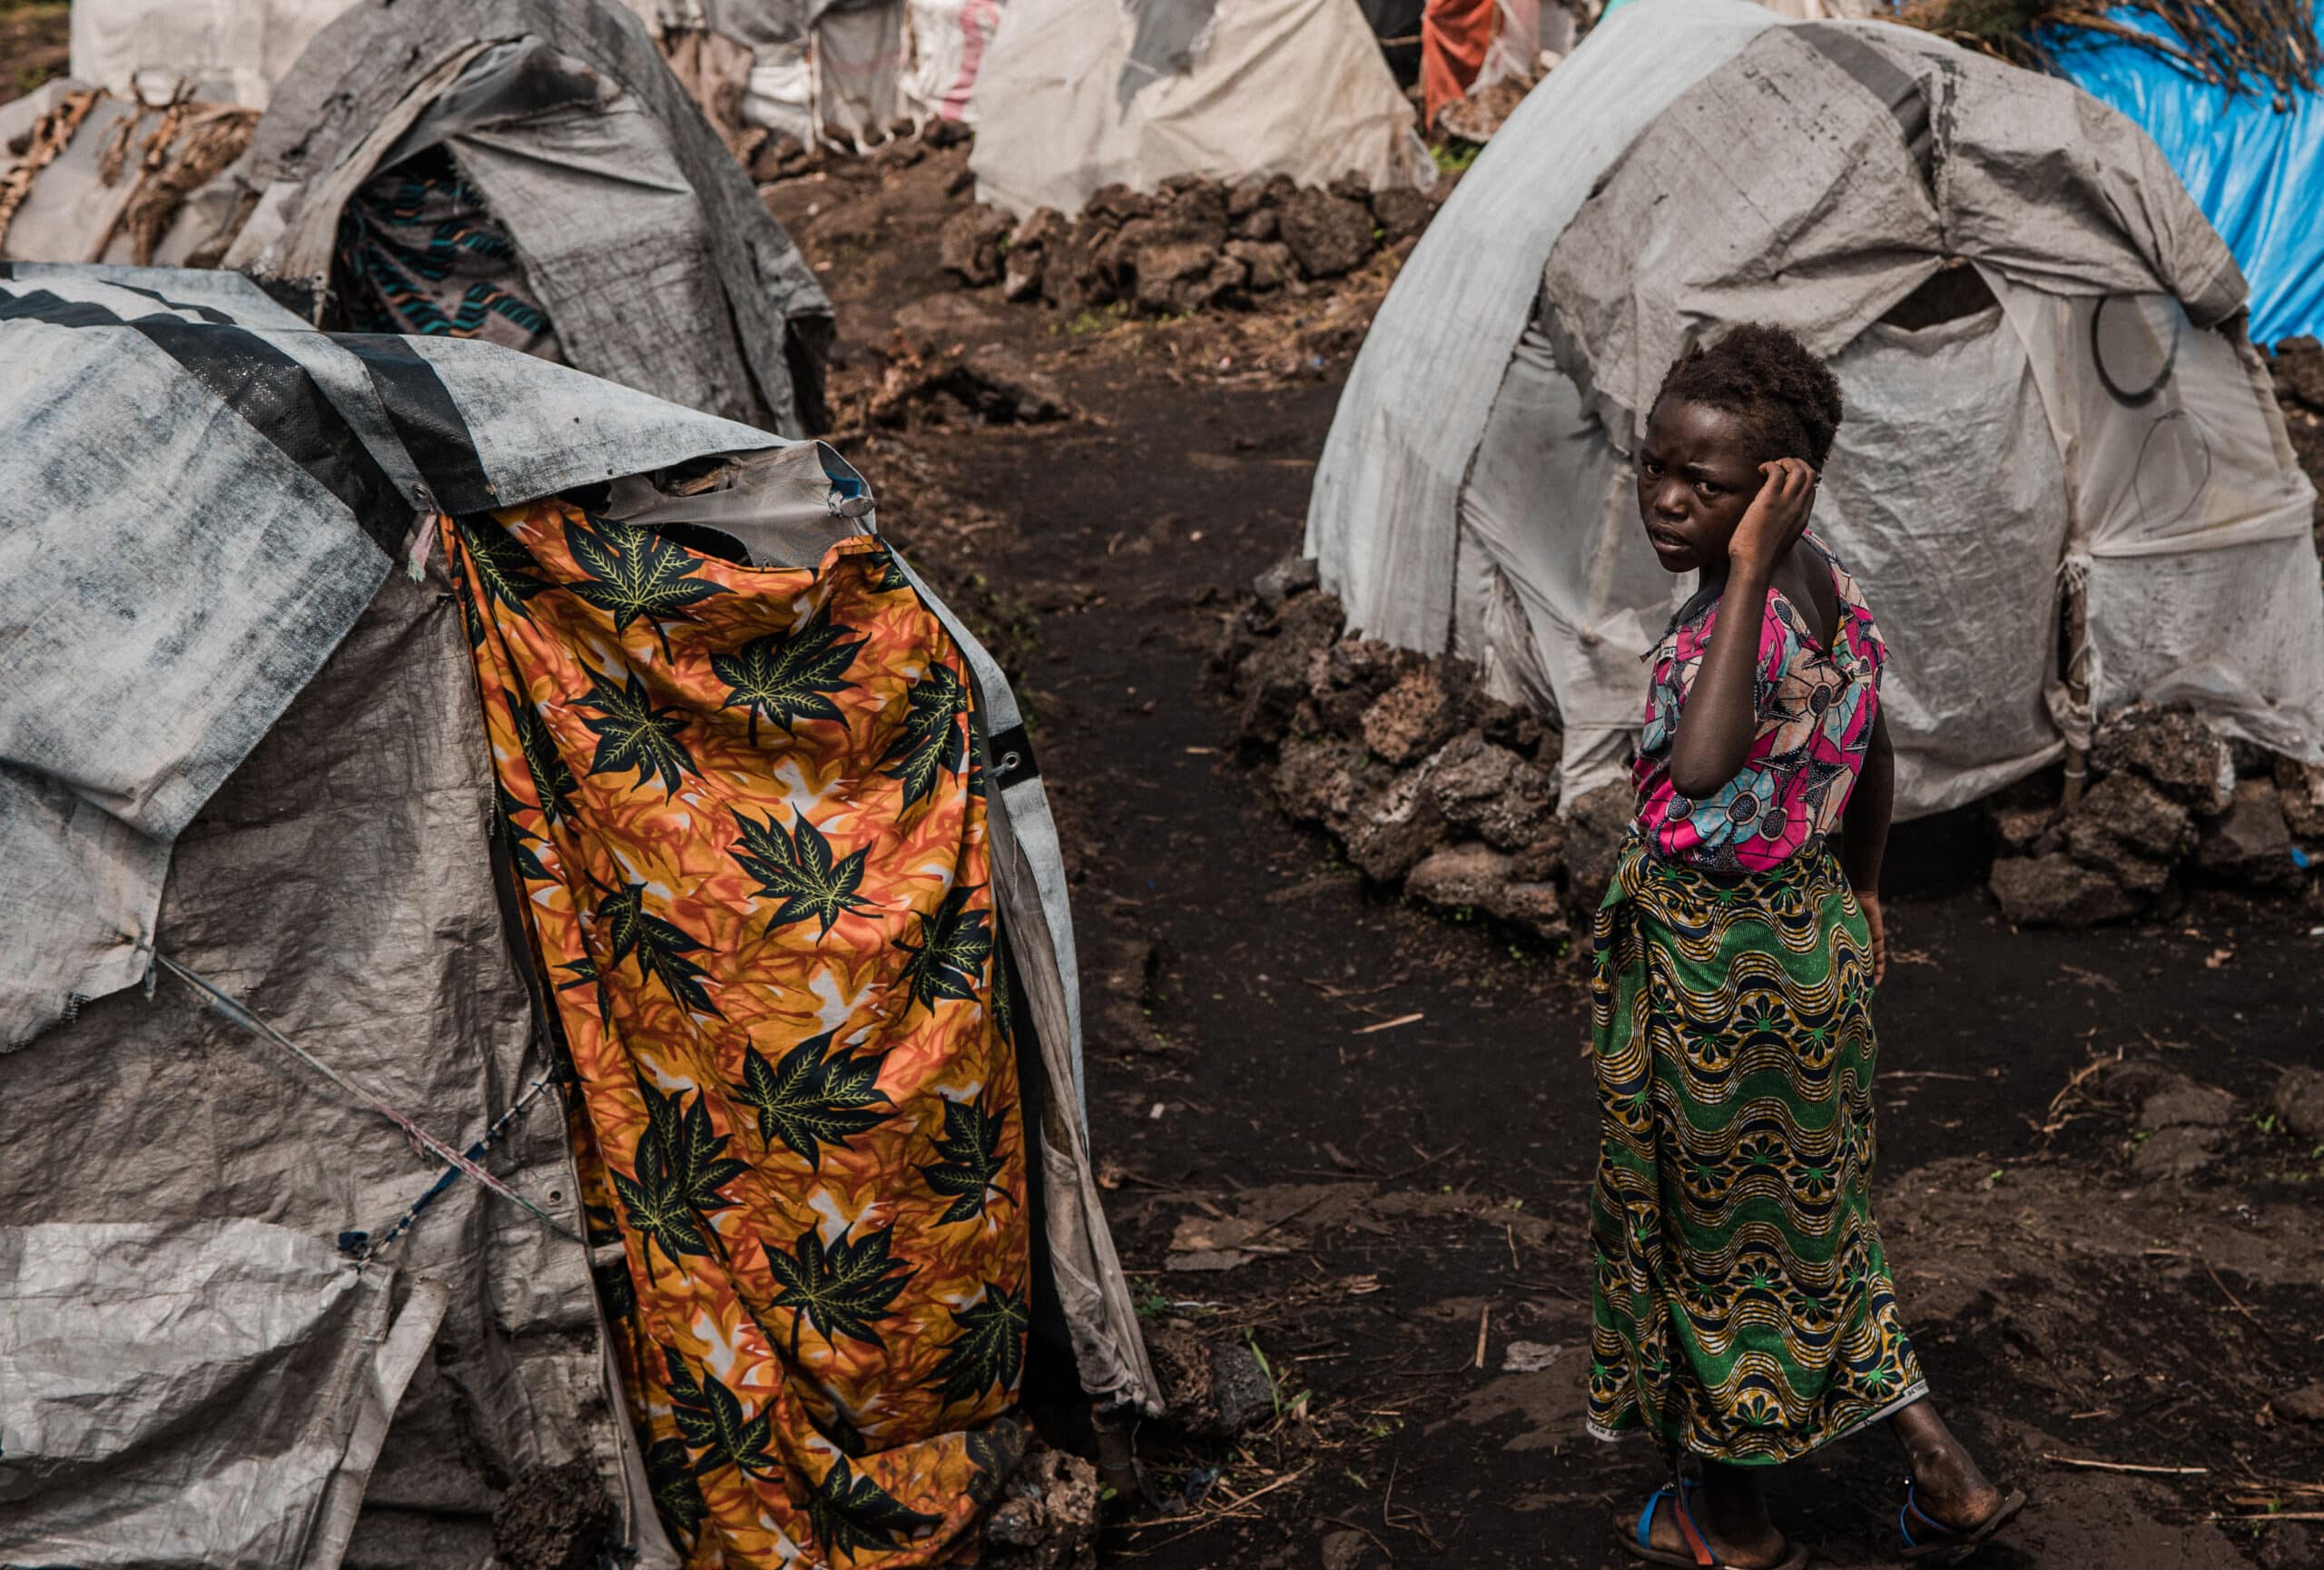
(33, 45)
(1359, 1135)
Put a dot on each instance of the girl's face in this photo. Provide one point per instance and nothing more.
(1697, 473)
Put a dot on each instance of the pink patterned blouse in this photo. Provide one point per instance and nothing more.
(1816, 709)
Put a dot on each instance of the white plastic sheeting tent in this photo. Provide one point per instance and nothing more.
(247, 746)
(227, 51)
(2036, 333)
(842, 70)
(1078, 94)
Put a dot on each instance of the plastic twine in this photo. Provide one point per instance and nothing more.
(233, 1008)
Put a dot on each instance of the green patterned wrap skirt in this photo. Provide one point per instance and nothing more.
(1743, 1308)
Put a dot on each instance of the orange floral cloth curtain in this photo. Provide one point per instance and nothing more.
(744, 812)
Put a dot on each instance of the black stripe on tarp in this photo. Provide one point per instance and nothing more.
(210, 313)
(427, 420)
(274, 393)
(1883, 78)
(42, 306)
(268, 390)
(207, 313)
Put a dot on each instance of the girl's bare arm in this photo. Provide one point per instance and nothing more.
(1864, 837)
(1864, 825)
(1721, 712)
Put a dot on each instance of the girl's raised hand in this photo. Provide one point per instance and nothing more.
(1776, 516)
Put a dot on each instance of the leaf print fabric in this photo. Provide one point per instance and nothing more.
(743, 808)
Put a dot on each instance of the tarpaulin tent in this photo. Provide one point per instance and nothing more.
(1078, 94)
(255, 948)
(842, 71)
(2036, 332)
(623, 216)
(948, 40)
(2251, 158)
(223, 51)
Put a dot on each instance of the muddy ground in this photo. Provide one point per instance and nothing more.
(1359, 1135)
(33, 44)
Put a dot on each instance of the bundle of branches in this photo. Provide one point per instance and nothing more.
(38, 148)
(2230, 44)
(192, 145)
(189, 145)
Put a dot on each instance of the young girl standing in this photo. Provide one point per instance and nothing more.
(1744, 1312)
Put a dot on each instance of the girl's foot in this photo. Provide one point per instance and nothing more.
(1927, 1538)
(1947, 1488)
(1742, 1545)
(1950, 1491)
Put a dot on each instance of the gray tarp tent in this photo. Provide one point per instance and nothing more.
(643, 240)
(241, 737)
(2037, 335)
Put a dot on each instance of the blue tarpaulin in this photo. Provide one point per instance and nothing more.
(2257, 172)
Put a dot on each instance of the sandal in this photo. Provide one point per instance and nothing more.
(1940, 1544)
(1700, 1557)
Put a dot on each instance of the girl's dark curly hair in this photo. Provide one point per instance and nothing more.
(1765, 375)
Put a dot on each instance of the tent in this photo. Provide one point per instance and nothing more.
(2036, 333)
(224, 51)
(843, 71)
(558, 142)
(525, 169)
(1078, 94)
(2252, 158)
(256, 950)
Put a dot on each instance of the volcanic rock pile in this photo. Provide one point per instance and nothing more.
(1193, 244)
(1426, 779)
(2169, 800)
(2297, 369)
(1430, 783)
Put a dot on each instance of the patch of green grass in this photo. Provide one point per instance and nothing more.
(1094, 320)
(1453, 155)
(1278, 1381)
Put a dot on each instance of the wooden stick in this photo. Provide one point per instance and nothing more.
(2124, 1466)
(1368, 1532)
(1391, 1024)
(1279, 1220)
(1425, 1161)
(2076, 675)
(1288, 1478)
(1484, 1318)
(2233, 1301)
(2273, 1516)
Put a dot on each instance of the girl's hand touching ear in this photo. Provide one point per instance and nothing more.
(1776, 516)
